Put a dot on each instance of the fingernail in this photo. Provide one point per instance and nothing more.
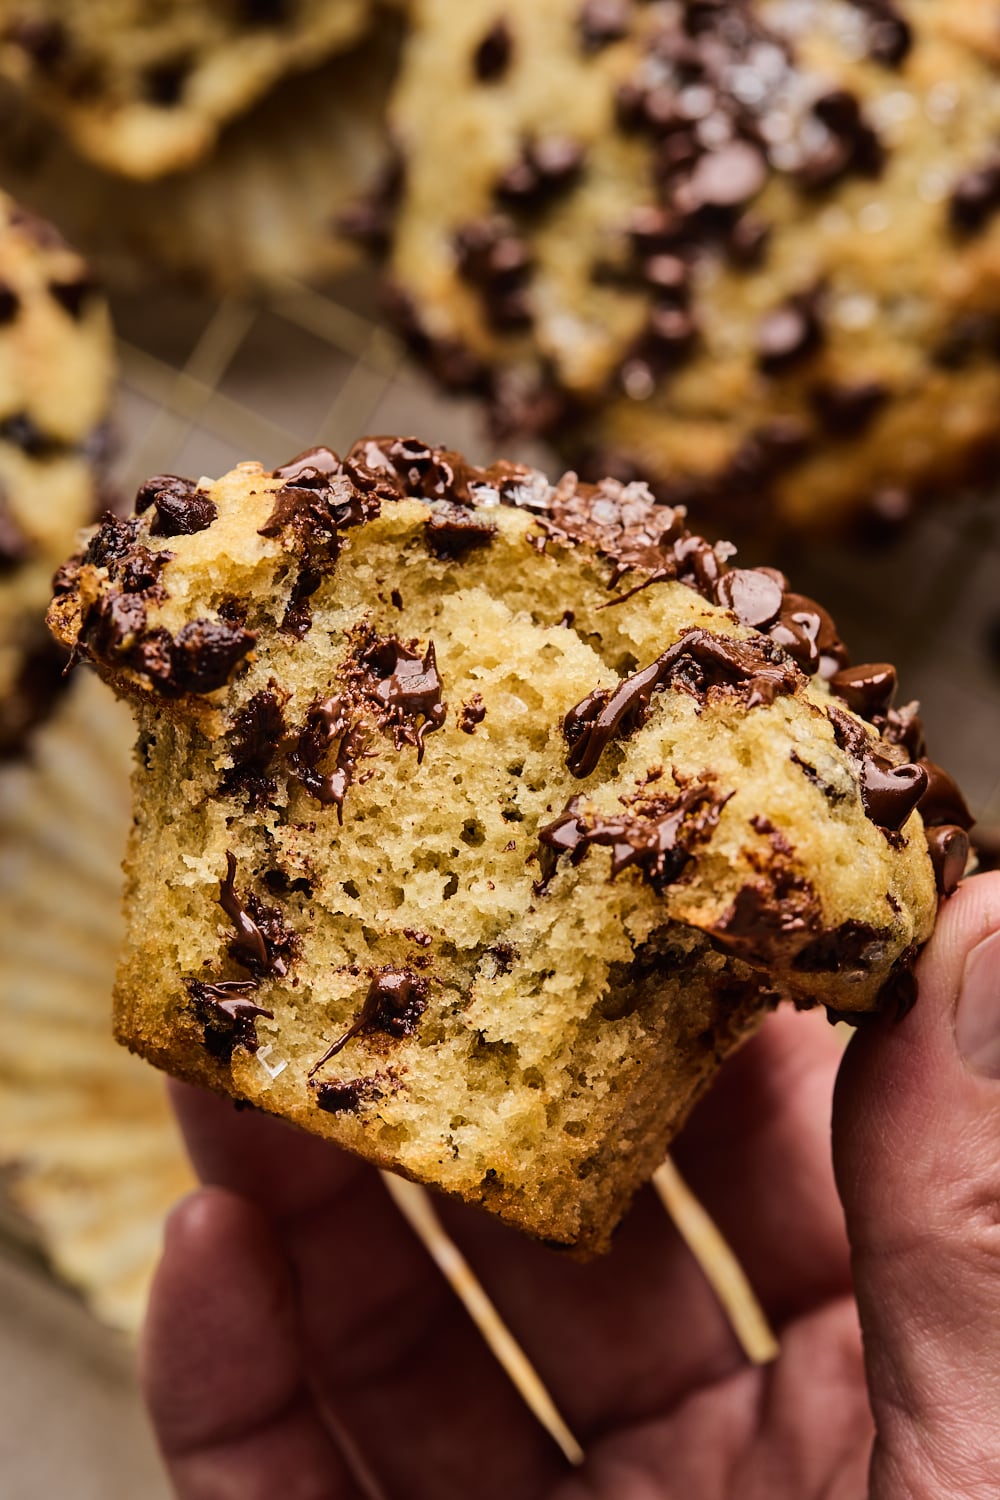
(977, 1020)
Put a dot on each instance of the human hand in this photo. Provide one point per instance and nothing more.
(293, 1307)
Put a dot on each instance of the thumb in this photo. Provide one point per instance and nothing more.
(917, 1150)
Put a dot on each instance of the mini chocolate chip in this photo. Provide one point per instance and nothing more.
(9, 303)
(492, 57)
(473, 713)
(948, 847)
(788, 333)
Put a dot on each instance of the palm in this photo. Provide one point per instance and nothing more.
(634, 1347)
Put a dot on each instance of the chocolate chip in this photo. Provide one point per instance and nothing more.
(868, 690)
(265, 12)
(164, 82)
(23, 431)
(948, 847)
(726, 178)
(395, 1001)
(656, 835)
(492, 57)
(889, 792)
(453, 531)
(852, 144)
(942, 802)
(696, 663)
(748, 240)
(601, 22)
(309, 469)
(74, 295)
(253, 740)
(205, 653)
(338, 1096)
(15, 546)
(473, 713)
(788, 334)
(546, 168)
(10, 302)
(753, 595)
(227, 1014)
(181, 508)
(45, 41)
(976, 197)
(848, 409)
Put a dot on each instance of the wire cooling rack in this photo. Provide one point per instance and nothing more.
(207, 383)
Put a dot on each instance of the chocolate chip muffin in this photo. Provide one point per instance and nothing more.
(745, 249)
(56, 368)
(265, 204)
(144, 91)
(477, 818)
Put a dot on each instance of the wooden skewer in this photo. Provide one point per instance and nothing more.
(415, 1204)
(723, 1271)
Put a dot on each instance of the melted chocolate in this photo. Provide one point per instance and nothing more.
(473, 713)
(402, 685)
(656, 835)
(395, 1001)
(453, 531)
(254, 738)
(327, 725)
(228, 1016)
(263, 944)
(339, 1096)
(697, 663)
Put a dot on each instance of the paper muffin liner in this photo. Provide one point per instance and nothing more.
(90, 1153)
(263, 207)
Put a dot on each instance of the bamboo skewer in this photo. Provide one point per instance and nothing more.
(416, 1207)
(722, 1270)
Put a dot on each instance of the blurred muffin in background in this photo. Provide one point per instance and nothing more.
(56, 372)
(144, 90)
(746, 250)
(266, 203)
